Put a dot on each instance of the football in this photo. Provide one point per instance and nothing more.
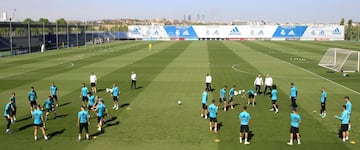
(179, 102)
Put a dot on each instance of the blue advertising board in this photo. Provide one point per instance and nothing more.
(185, 32)
(289, 31)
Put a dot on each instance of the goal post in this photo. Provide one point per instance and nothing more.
(341, 60)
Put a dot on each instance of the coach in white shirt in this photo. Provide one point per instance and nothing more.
(208, 81)
(93, 80)
(268, 83)
(133, 80)
(258, 83)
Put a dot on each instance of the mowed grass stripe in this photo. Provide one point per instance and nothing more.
(38, 57)
(224, 74)
(38, 74)
(314, 129)
(60, 126)
(310, 64)
(160, 122)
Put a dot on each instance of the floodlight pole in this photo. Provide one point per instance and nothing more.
(77, 36)
(11, 40)
(29, 37)
(44, 33)
(57, 35)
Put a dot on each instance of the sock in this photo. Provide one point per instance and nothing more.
(298, 141)
(14, 118)
(240, 139)
(291, 141)
(87, 135)
(246, 140)
(276, 109)
(206, 117)
(45, 137)
(79, 137)
(35, 138)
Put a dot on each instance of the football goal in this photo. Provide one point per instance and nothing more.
(341, 60)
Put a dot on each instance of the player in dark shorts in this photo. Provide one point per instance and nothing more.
(83, 122)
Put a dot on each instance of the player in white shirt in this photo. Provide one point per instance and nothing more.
(258, 83)
(268, 83)
(208, 81)
(133, 80)
(93, 81)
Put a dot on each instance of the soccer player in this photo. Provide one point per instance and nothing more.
(13, 107)
(91, 99)
(348, 108)
(32, 97)
(345, 120)
(274, 99)
(115, 93)
(38, 122)
(258, 83)
(294, 128)
(251, 97)
(231, 96)
(93, 81)
(204, 99)
(133, 80)
(244, 117)
(208, 80)
(212, 115)
(7, 115)
(101, 110)
(49, 106)
(83, 122)
(293, 95)
(268, 83)
(150, 46)
(323, 103)
(54, 93)
(83, 94)
(223, 96)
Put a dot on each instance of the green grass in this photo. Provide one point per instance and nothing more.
(150, 117)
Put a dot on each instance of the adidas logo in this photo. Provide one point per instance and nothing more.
(336, 31)
(156, 32)
(186, 32)
(216, 32)
(235, 31)
(136, 31)
(291, 33)
(322, 33)
(261, 32)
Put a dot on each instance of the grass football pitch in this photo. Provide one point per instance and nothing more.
(150, 118)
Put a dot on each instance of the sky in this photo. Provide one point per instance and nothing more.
(280, 11)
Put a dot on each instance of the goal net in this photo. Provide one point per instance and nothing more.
(341, 60)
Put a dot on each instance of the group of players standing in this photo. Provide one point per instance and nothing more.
(90, 102)
(244, 116)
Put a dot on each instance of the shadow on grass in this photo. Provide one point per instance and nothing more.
(124, 105)
(220, 125)
(67, 103)
(139, 87)
(26, 126)
(55, 133)
(251, 135)
(100, 90)
(23, 119)
(62, 116)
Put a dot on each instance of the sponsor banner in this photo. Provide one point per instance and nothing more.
(185, 32)
(244, 32)
(324, 32)
(146, 32)
(289, 31)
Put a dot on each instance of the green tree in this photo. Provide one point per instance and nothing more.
(349, 30)
(342, 22)
(61, 21)
(28, 20)
(44, 20)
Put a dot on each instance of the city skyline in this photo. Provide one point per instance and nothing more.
(305, 11)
